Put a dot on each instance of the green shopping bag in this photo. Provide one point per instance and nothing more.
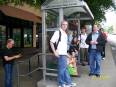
(72, 70)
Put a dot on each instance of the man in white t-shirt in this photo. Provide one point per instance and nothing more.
(83, 47)
(64, 79)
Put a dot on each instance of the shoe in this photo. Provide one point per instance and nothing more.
(103, 58)
(97, 75)
(67, 86)
(59, 86)
(62, 85)
(83, 64)
(91, 74)
(73, 85)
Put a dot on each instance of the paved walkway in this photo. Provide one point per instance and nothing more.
(107, 79)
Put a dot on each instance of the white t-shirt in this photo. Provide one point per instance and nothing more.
(82, 39)
(62, 46)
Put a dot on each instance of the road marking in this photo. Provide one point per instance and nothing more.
(102, 77)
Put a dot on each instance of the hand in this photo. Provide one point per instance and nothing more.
(68, 55)
(56, 54)
(96, 42)
(93, 42)
(18, 56)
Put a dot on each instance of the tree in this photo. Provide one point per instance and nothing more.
(109, 29)
(99, 7)
(34, 3)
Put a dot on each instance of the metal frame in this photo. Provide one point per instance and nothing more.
(30, 71)
(47, 6)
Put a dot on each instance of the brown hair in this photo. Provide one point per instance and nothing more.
(84, 27)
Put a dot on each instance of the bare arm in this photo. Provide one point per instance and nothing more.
(53, 49)
(78, 42)
(52, 46)
(11, 58)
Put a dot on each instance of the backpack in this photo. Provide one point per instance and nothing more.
(56, 43)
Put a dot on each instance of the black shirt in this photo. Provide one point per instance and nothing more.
(9, 53)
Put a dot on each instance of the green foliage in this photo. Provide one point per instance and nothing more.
(109, 29)
(34, 3)
(3, 2)
(99, 7)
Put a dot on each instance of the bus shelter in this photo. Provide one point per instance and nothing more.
(53, 12)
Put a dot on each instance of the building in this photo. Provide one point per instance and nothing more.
(22, 23)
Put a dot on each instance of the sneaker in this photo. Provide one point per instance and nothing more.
(73, 84)
(67, 86)
(91, 74)
(97, 75)
(83, 64)
(103, 58)
(59, 86)
(62, 85)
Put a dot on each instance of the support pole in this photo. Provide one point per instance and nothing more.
(61, 16)
(34, 34)
(78, 17)
(44, 45)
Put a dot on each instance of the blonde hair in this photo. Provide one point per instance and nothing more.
(10, 40)
(63, 22)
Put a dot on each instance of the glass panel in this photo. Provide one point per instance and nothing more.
(17, 37)
(39, 36)
(49, 35)
(52, 19)
(2, 36)
(27, 37)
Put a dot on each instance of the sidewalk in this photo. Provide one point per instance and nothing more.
(107, 79)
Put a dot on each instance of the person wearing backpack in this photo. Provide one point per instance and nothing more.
(64, 79)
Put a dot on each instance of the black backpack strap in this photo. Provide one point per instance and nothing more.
(80, 37)
(58, 39)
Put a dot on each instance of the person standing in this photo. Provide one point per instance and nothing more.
(64, 79)
(83, 47)
(8, 59)
(96, 41)
(105, 36)
(70, 37)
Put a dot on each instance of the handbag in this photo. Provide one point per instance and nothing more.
(72, 70)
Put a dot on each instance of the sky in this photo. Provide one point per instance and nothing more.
(110, 18)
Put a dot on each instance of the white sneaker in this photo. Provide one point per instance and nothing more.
(103, 58)
(73, 85)
(62, 85)
(68, 86)
(59, 86)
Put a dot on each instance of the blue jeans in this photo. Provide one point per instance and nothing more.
(8, 68)
(63, 74)
(95, 61)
